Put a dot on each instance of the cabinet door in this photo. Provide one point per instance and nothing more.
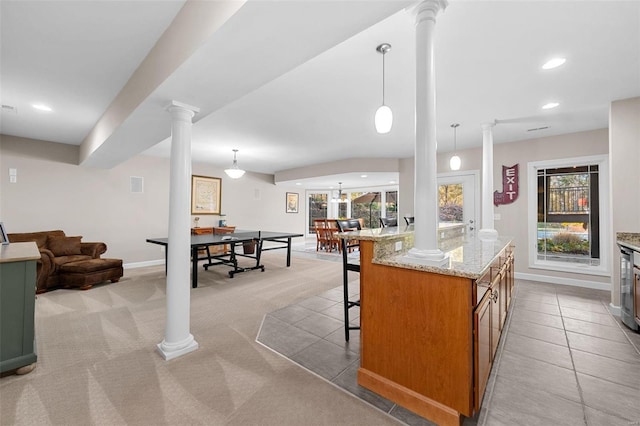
(483, 348)
(636, 295)
(504, 295)
(496, 313)
(509, 279)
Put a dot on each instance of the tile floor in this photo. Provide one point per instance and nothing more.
(562, 360)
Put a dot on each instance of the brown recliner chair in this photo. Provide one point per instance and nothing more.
(68, 262)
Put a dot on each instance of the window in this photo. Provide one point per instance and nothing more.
(323, 205)
(450, 203)
(317, 208)
(566, 222)
(391, 204)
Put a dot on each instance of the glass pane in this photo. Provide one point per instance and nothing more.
(568, 194)
(564, 217)
(317, 208)
(450, 203)
(564, 242)
(342, 210)
(391, 204)
(367, 210)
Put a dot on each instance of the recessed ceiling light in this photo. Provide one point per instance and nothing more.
(363, 176)
(392, 181)
(298, 183)
(42, 107)
(553, 63)
(550, 105)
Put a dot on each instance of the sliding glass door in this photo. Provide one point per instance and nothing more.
(317, 206)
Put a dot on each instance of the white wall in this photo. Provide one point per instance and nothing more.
(514, 216)
(624, 158)
(53, 192)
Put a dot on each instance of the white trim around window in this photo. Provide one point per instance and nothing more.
(604, 268)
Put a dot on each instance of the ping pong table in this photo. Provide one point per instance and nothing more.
(234, 239)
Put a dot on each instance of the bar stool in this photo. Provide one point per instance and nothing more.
(408, 219)
(347, 246)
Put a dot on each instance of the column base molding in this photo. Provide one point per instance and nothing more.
(427, 257)
(170, 351)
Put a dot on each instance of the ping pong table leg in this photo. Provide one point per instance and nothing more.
(288, 252)
(233, 260)
(166, 259)
(259, 253)
(194, 266)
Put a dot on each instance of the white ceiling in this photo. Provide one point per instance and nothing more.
(296, 83)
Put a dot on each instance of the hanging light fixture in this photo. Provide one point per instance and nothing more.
(384, 115)
(234, 172)
(455, 161)
(342, 198)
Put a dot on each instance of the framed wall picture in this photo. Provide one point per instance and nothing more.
(206, 194)
(292, 202)
(4, 239)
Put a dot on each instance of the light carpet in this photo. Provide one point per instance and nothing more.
(98, 365)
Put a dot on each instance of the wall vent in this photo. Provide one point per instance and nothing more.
(9, 108)
(535, 129)
(137, 184)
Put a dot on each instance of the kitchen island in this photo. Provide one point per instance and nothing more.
(429, 334)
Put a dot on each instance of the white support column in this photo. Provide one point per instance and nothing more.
(487, 232)
(177, 338)
(425, 250)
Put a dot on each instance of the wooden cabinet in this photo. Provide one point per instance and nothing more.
(428, 339)
(489, 318)
(217, 249)
(201, 231)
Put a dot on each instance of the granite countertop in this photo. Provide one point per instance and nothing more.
(629, 239)
(378, 234)
(17, 252)
(468, 257)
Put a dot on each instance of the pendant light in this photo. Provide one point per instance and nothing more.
(341, 197)
(455, 161)
(384, 115)
(234, 172)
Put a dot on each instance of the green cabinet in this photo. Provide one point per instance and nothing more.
(17, 305)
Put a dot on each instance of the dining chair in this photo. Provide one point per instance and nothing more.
(321, 241)
(408, 219)
(349, 264)
(388, 221)
(330, 238)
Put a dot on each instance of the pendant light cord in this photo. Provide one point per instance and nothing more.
(383, 75)
(455, 134)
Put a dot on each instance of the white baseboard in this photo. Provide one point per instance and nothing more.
(143, 264)
(614, 309)
(564, 281)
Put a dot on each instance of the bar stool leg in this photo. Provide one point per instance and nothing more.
(345, 287)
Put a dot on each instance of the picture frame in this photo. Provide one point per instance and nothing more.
(206, 194)
(293, 199)
(4, 239)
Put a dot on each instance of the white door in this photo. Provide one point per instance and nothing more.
(457, 194)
